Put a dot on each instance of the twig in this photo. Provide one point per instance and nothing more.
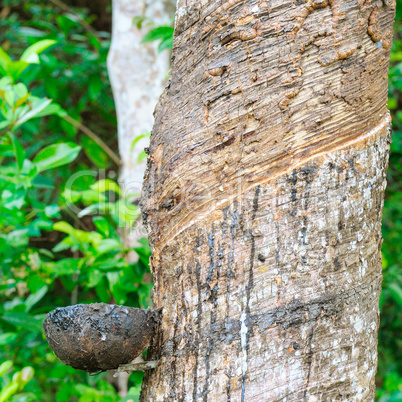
(76, 220)
(93, 136)
(130, 367)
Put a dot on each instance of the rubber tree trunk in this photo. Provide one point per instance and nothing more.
(138, 76)
(263, 198)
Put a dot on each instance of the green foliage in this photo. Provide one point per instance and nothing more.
(12, 386)
(61, 214)
(164, 34)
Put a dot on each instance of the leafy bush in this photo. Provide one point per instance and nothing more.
(11, 386)
(61, 216)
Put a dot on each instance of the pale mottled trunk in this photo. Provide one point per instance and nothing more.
(137, 74)
(263, 198)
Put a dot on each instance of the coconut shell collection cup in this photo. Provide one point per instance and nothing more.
(98, 337)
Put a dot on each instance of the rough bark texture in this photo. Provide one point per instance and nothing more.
(263, 198)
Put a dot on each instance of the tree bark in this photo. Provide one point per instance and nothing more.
(263, 198)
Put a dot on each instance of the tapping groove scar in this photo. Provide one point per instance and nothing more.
(385, 121)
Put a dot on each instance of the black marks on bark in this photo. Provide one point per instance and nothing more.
(214, 301)
(229, 385)
(172, 393)
(233, 225)
(222, 145)
(255, 201)
(304, 230)
(351, 162)
(211, 245)
(277, 249)
(225, 225)
(252, 252)
(337, 264)
(293, 314)
(212, 295)
(228, 327)
(308, 172)
(293, 192)
(309, 360)
(197, 244)
(250, 285)
(198, 333)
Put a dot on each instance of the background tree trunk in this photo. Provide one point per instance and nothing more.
(263, 199)
(138, 76)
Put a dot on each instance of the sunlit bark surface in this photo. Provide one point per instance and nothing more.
(263, 199)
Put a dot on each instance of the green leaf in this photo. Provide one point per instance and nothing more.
(4, 59)
(158, 33)
(35, 298)
(26, 320)
(9, 97)
(9, 390)
(22, 100)
(27, 374)
(138, 20)
(38, 107)
(13, 199)
(105, 185)
(52, 109)
(5, 82)
(65, 23)
(6, 339)
(94, 152)
(102, 290)
(94, 276)
(143, 155)
(5, 367)
(56, 155)
(18, 238)
(392, 103)
(52, 211)
(66, 266)
(71, 196)
(20, 89)
(31, 54)
(16, 68)
(107, 245)
(19, 151)
(42, 182)
(396, 292)
(95, 86)
(136, 139)
(165, 44)
(64, 227)
(102, 225)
